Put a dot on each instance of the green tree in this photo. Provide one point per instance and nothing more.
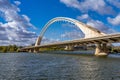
(4, 49)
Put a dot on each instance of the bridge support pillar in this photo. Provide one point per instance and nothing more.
(36, 50)
(30, 50)
(69, 47)
(101, 50)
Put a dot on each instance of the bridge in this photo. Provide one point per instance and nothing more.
(92, 36)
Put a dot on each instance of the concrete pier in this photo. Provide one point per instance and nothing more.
(69, 47)
(36, 50)
(31, 50)
(101, 50)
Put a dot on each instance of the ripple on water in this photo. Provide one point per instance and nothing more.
(26, 66)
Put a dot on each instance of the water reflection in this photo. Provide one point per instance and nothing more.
(26, 66)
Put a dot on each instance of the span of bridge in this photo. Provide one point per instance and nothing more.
(92, 36)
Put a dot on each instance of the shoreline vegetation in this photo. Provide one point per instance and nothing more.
(9, 49)
(14, 48)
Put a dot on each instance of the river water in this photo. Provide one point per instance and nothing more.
(44, 66)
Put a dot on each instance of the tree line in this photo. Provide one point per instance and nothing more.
(9, 48)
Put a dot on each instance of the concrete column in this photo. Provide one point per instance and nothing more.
(101, 50)
(69, 47)
(30, 50)
(98, 49)
(104, 46)
(36, 50)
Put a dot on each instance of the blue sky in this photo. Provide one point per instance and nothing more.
(41, 11)
(22, 20)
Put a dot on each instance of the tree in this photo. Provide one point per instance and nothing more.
(4, 50)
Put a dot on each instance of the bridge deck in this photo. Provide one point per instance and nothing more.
(112, 38)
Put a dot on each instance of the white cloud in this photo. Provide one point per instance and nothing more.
(71, 3)
(83, 17)
(49, 40)
(114, 21)
(115, 3)
(17, 2)
(100, 26)
(85, 5)
(70, 25)
(26, 18)
(14, 30)
(75, 34)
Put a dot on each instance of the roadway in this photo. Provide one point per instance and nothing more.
(108, 38)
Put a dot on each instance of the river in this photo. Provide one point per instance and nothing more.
(44, 66)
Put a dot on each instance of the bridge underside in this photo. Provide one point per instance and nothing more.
(100, 42)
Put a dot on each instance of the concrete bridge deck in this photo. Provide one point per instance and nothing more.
(110, 38)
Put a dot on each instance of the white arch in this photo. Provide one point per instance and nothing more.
(87, 30)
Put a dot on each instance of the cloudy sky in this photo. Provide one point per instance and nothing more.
(21, 21)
